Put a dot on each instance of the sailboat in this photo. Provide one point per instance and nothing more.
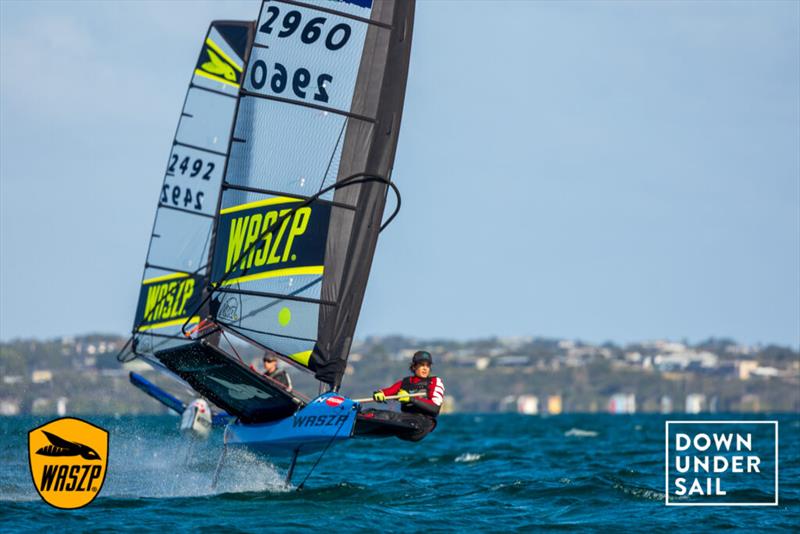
(269, 215)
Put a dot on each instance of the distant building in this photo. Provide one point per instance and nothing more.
(743, 350)
(695, 402)
(622, 403)
(664, 346)
(666, 404)
(482, 363)
(41, 406)
(769, 372)
(680, 361)
(527, 404)
(566, 344)
(554, 404)
(515, 342)
(512, 361)
(41, 376)
(9, 407)
(745, 368)
(61, 406)
(633, 357)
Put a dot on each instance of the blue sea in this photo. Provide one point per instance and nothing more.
(493, 472)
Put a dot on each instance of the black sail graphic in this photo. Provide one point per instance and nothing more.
(308, 174)
(176, 270)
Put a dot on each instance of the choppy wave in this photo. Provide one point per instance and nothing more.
(469, 457)
(580, 433)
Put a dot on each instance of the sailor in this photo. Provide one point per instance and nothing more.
(271, 371)
(421, 410)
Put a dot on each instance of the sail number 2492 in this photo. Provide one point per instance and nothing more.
(183, 197)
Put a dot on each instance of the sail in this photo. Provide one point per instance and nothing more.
(176, 270)
(306, 183)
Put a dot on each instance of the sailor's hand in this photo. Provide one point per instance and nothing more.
(402, 396)
(379, 396)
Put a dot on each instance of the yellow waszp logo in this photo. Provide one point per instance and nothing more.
(274, 249)
(271, 238)
(166, 300)
(216, 65)
(68, 459)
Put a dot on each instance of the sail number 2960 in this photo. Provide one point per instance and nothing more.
(284, 25)
(279, 80)
(336, 36)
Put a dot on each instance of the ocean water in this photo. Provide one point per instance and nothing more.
(492, 472)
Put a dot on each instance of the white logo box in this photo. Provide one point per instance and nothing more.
(666, 463)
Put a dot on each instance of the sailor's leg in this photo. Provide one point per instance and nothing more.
(423, 425)
(219, 466)
(291, 467)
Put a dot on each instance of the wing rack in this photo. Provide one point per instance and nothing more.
(229, 383)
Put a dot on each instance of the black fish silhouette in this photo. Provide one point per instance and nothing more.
(61, 447)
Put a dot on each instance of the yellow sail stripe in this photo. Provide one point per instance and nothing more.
(210, 76)
(260, 203)
(301, 357)
(219, 51)
(174, 322)
(164, 277)
(291, 271)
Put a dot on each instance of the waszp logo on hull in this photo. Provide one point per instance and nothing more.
(68, 459)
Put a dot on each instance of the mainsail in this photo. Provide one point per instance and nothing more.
(176, 270)
(306, 182)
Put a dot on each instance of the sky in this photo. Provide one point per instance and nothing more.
(585, 170)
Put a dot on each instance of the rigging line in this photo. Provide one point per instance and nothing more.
(353, 179)
(166, 340)
(120, 357)
(333, 153)
(237, 328)
(236, 187)
(279, 296)
(286, 359)
(327, 446)
(231, 345)
(206, 244)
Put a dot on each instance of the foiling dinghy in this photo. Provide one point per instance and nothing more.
(268, 219)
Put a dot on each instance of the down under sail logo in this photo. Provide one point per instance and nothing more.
(68, 458)
(721, 463)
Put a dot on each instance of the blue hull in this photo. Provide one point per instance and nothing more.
(328, 419)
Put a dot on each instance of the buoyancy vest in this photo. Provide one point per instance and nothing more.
(418, 384)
